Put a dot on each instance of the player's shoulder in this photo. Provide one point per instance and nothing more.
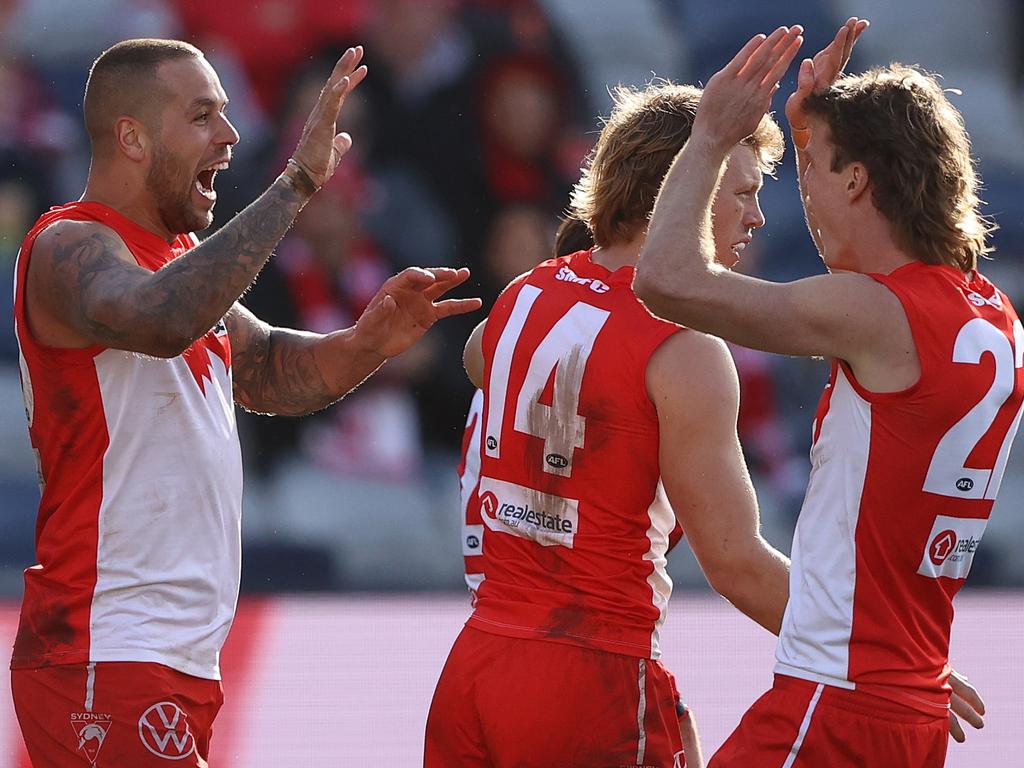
(691, 363)
(65, 234)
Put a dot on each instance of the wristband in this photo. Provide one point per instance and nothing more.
(302, 176)
(801, 136)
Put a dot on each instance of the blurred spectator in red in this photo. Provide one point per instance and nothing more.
(272, 38)
(532, 150)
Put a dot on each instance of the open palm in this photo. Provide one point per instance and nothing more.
(819, 73)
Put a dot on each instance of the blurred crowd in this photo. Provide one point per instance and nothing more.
(469, 133)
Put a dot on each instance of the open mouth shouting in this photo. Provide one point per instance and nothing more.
(205, 179)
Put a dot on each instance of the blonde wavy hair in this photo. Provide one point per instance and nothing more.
(623, 173)
(897, 121)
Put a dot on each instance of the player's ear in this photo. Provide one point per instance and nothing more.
(856, 178)
(131, 138)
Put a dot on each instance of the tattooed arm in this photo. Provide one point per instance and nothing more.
(292, 373)
(281, 371)
(85, 288)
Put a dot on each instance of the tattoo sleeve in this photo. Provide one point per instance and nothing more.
(97, 292)
(291, 373)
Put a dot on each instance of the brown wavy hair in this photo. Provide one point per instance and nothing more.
(640, 139)
(897, 121)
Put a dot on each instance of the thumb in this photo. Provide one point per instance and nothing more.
(805, 78)
(342, 143)
(379, 310)
(386, 307)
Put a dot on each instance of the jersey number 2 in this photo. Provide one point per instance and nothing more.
(565, 350)
(948, 474)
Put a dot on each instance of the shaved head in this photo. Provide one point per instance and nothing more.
(123, 81)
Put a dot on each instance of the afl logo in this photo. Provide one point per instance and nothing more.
(489, 503)
(964, 484)
(491, 443)
(472, 541)
(941, 547)
(556, 460)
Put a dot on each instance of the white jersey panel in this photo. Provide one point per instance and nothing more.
(169, 550)
(663, 521)
(814, 643)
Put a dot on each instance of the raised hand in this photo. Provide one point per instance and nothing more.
(319, 149)
(965, 703)
(819, 73)
(737, 96)
(407, 305)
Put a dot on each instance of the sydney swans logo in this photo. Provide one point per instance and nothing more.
(91, 729)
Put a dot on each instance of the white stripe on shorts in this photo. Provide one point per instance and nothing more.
(641, 711)
(795, 749)
(90, 685)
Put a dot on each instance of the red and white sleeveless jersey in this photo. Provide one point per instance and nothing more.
(138, 534)
(901, 487)
(469, 496)
(576, 522)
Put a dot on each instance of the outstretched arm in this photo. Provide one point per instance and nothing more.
(84, 287)
(292, 373)
(677, 277)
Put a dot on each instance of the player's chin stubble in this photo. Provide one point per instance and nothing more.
(171, 187)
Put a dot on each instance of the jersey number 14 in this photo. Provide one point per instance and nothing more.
(565, 350)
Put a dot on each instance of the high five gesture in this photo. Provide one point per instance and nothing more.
(738, 96)
(819, 73)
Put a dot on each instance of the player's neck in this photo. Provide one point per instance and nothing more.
(123, 195)
(873, 249)
(619, 255)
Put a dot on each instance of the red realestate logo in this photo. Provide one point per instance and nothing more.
(91, 730)
(941, 546)
(164, 731)
(951, 546)
(489, 503)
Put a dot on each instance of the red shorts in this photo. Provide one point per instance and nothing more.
(504, 702)
(115, 714)
(801, 724)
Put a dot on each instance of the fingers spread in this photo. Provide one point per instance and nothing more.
(357, 77)
(346, 64)
(347, 74)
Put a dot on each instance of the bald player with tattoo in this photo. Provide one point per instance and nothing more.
(134, 350)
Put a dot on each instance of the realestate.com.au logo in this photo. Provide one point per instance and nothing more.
(946, 546)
